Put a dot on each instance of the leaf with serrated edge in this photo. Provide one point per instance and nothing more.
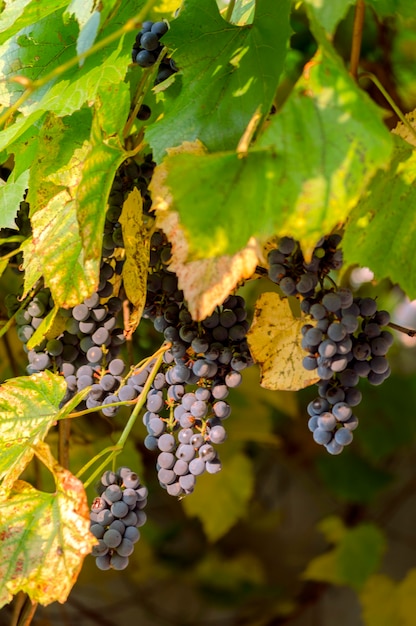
(11, 194)
(206, 283)
(274, 340)
(45, 536)
(28, 408)
(135, 268)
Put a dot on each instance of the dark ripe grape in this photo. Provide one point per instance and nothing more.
(100, 336)
(322, 436)
(118, 562)
(342, 411)
(166, 460)
(94, 354)
(382, 318)
(380, 346)
(325, 373)
(25, 332)
(345, 346)
(350, 322)
(197, 440)
(352, 423)
(339, 363)
(108, 382)
(362, 368)
(333, 447)
(71, 382)
(184, 435)
(361, 351)
(335, 394)
(80, 312)
(372, 330)
(313, 423)
(199, 409)
(185, 452)
(84, 381)
(197, 466)
(288, 286)
(368, 307)
(149, 41)
(331, 301)
(125, 548)
(217, 434)
(116, 367)
(379, 364)
(306, 284)
(233, 379)
(97, 530)
(127, 393)
(353, 396)
(101, 549)
(207, 452)
(275, 256)
(343, 436)
(286, 245)
(214, 466)
(41, 362)
(99, 313)
(336, 331)
(36, 308)
(318, 311)
(276, 272)
(67, 369)
(228, 318)
(176, 392)
(166, 442)
(181, 467)
(166, 476)
(154, 403)
(327, 348)
(317, 406)
(119, 509)
(132, 534)
(346, 297)
(327, 421)
(349, 378)
(131, 480)
(221, 409)
(92, 301)
(187, 482)
(219, 391)
(220, 334)
(156, 426)
(159, 28)
(144, 113)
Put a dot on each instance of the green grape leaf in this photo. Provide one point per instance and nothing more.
(18, 14)
(28, 408)
(45, 537)
(228, 493)
(302, 187)
(11, 194)
(68, 202)
(329, 14)
(384, 8)
(243, 12)
(274, 341)
(381, 231)
(356, 556)
(226, 73)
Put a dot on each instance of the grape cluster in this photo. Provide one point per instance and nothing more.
(345, 342)
(187, 403)
(147, 48)
(116, 515)
(86, 351)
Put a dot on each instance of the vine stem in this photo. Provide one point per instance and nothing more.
(118, 447)
(31, 86)
(402, 329)
(389, 99)
(357, 35)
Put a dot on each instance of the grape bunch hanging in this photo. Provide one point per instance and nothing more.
(345, 341)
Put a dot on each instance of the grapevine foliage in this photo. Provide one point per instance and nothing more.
(153, 164)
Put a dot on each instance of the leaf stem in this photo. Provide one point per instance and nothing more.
(402, 329)
(389, 99)
(357, 35)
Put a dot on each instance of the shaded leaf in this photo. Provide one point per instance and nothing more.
(228, 493)
(28, 408)
(274, 340)
(226, 73)
(329, 14)
(356, 556)
(11, 195)
(45, 537)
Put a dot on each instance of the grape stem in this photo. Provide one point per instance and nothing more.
(357, 35)
(118, 447)
(402, 329)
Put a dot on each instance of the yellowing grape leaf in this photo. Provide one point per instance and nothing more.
(275, 344)
(406, 594)
(28, 408)
(379, 602)
(206, 283)
(136, 242)
(51, 326)
(404, 131)
(44, 537)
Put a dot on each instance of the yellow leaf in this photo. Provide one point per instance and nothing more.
(45, 537)
(380, 603)
(136, 242)
(406, 593)
(275, 343)
(404, 131)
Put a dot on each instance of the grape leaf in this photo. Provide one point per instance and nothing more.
(45, 537)
(11, 194)
(274, 342)
(356, 556)
(243, 12)
(302, 187)
(136, 264)
(406, 595)
(227, 72)
(228, 493)
(17, 15)
(28, 408)
(379, 602)
(329, 14)
(381, 231)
